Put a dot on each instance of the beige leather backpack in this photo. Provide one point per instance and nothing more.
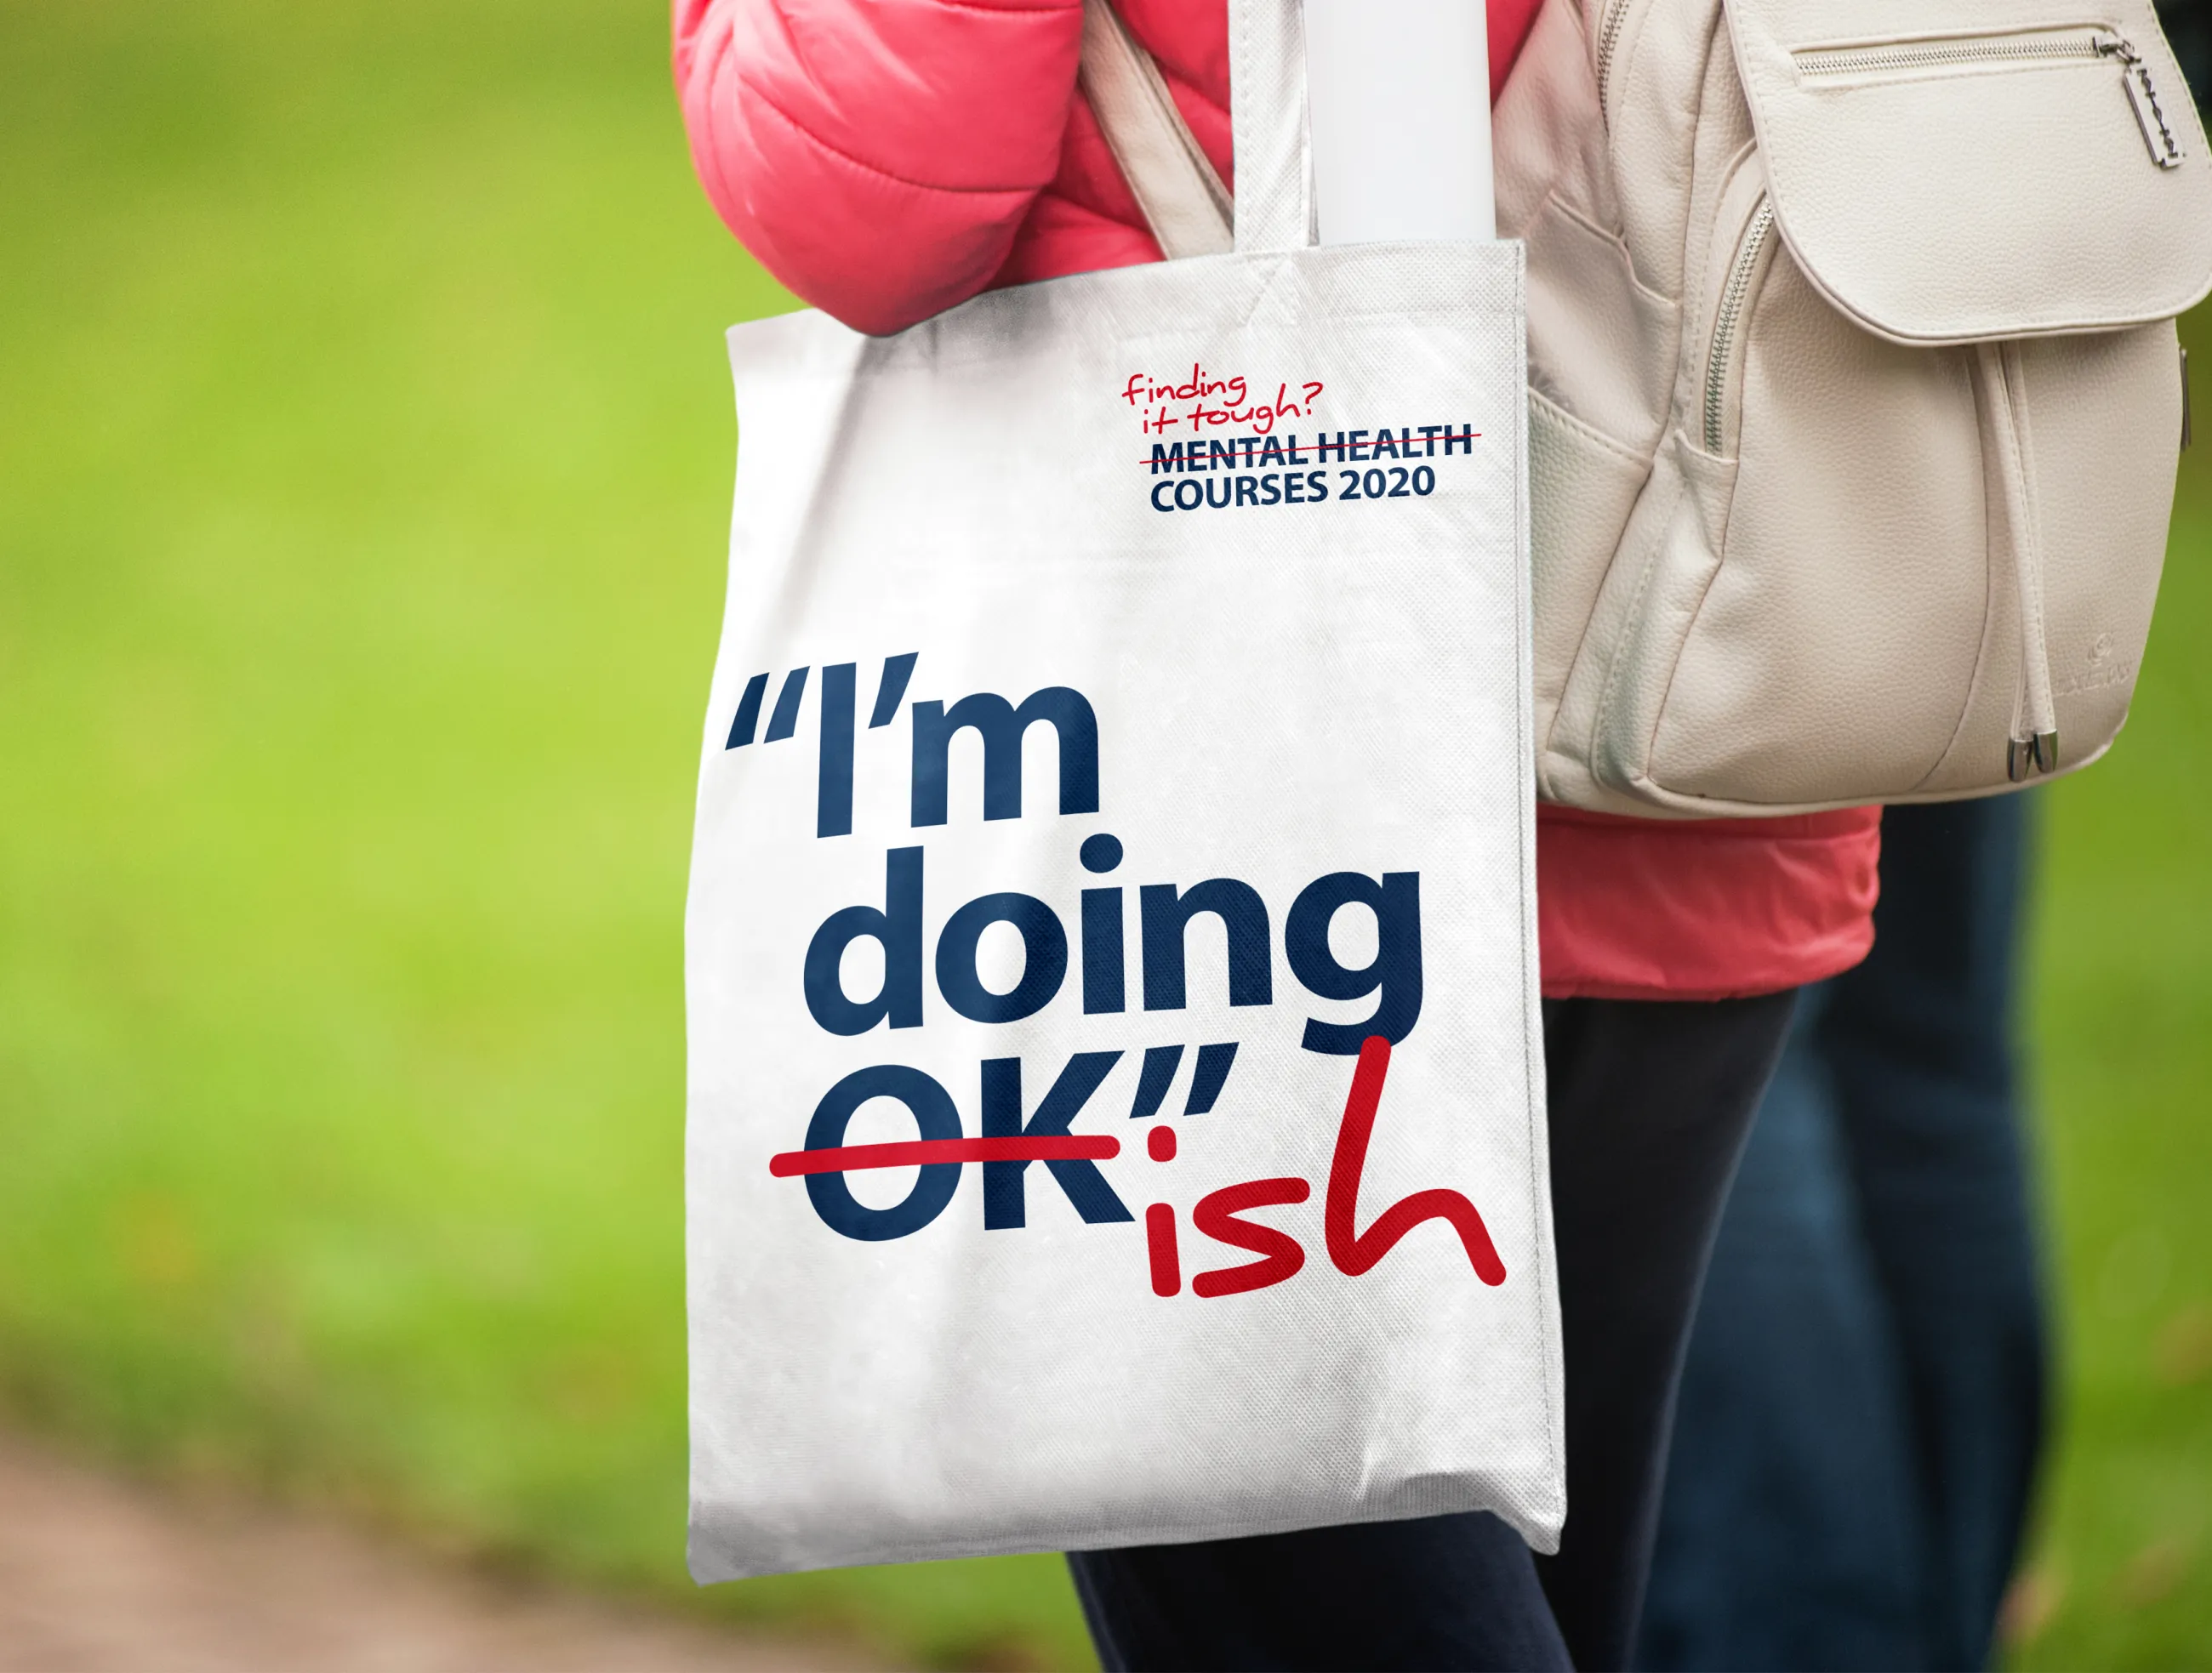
(1856, 395)
(1855, 392)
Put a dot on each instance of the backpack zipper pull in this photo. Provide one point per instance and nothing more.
(2164, 144)
(2033, 745)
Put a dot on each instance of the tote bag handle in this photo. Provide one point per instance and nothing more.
(1185, 203)
(1190, 210)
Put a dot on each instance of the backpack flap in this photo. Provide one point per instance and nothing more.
(1968, 171)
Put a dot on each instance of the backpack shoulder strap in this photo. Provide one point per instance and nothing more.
(1188, 209)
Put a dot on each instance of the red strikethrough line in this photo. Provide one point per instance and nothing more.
(1326, 448)
(920, 1152)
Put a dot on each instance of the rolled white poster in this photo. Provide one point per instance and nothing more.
(1399, 108)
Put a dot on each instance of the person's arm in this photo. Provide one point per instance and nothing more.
(878, 156)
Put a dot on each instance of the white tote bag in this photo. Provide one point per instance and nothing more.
(1119, 734)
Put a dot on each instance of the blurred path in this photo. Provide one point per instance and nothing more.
(97, 1575)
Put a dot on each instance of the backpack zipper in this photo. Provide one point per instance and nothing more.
(1734, 295)
(2033, 46)
(2086, 44)
(1608, 37)
(2032, 741)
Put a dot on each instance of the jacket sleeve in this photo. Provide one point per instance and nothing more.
(878, 156)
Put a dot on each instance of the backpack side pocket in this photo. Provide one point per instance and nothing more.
(1582, 488)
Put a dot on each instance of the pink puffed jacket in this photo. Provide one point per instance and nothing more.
(887, 159)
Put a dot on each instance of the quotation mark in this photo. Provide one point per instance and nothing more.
(833, 813)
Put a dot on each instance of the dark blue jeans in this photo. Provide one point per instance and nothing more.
(1648, 1104)
(1863, 1403)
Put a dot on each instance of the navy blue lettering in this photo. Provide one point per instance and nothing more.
(1248, 491)
(1271, 489)
(785, 721)
(1244, 915)
(1001, 726)
(1208, 1079)
(1395, 974)
(1167, 457)
(898, 670)
(1386, 446)
(1159, 488)
(934, 1114)
(1465, 439)
(1359, 441)
(1004, 1205)
(1316, 485)
(1222, 504)
(1103, 982)
(1153, 1080)
(833, 788)
(1044, 958)
(748, 715)
(1294, 492)
(898, 927)
(1197, 497)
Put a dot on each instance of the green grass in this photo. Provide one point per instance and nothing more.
(364, 455)
(364, 469)
(2122, 1028)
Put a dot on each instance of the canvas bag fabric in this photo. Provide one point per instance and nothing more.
(1302, 725)
(1855, 396)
